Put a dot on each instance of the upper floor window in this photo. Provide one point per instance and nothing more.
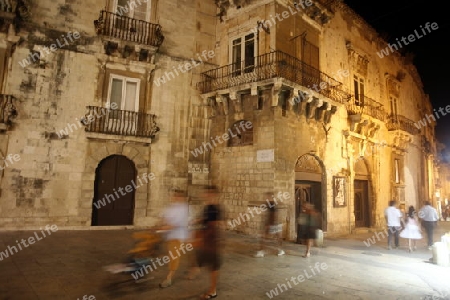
(124, 92)
(310, 53)
(310, 56)
(358, 86)
(243, 52)
(393, 101)
(135, 9)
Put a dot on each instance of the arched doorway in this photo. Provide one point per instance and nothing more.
(113, 202)
(309, 188)
(361, 195)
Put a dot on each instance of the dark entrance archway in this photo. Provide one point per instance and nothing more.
(361, 195)
(309, 176)
(112, 204)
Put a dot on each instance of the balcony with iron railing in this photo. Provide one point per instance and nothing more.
(128, 29)
(361, 104)
(7, 111)
(399, 122)
(272, 65)
(120, 122)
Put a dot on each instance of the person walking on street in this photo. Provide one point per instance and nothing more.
(176, 220)
(393, 220)
(311, 217)
(208, 252)
(272, 229)
(429, 217)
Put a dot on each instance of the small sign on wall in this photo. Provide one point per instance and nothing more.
(339, 191)
(265, 155)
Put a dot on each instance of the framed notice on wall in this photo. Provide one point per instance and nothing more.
(339, 191)
(265, 155)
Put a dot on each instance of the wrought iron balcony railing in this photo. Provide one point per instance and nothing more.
(7, 110)
(120, 122)
(271, 65)
(361, 104)
(398, 122)
(128, 29)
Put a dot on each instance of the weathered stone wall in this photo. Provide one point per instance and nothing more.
(53, 182)
(347, 47)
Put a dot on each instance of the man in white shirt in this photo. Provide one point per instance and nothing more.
(176, 219)
(429, 217)
(393, 220)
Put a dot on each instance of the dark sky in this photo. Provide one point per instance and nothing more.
(396, 18)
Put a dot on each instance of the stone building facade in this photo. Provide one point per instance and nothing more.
(108, 105)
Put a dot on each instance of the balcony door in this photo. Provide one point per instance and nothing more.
(139, 10)
(310, 56)
(130, 17)
(243, 53)
(124, 93)
(358, 86)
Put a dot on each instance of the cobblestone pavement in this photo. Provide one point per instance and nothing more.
(69, 265)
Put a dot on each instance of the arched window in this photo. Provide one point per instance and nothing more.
(241, 133)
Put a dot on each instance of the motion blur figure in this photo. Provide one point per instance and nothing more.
(208, 251)
(273, 229)
(175, 219)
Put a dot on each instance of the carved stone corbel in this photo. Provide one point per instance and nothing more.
(313, 105)
(276, 88)
(222, 102)
(329, 114)
(303, 99)
(362, 127)
(236, 99)
(372, 130)
(321, 110)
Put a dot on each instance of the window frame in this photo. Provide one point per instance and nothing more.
(358, 86)
(124, 79)
(394, 107)
(148, 4)
(243, 68)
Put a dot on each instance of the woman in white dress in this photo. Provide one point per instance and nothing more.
(412, 230)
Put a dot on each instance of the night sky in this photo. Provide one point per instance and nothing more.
(397, 18)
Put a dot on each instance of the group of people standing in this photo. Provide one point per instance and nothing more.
(409, 227)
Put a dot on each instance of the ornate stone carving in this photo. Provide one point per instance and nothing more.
(308, 163)
(358, 60)
(393, 85)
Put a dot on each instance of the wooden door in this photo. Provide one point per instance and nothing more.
(113, 205)
(361, 207)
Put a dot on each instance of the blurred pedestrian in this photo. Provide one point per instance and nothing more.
(209, 250)
(175, 219)
(311, 222)
(394, 223)
(412, 230)
(429, 217)
(273, 229)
